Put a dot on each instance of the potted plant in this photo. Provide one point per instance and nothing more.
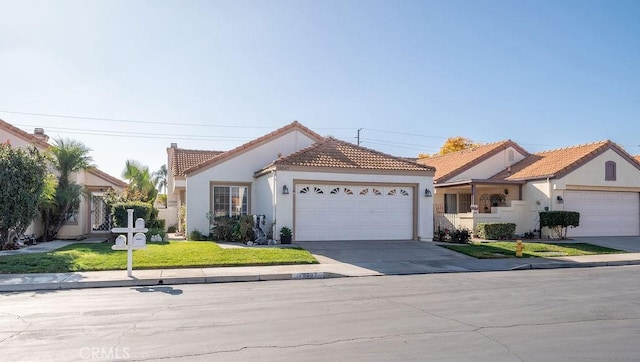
(285, 235)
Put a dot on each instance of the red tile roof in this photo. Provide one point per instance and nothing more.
(45, 146)
(183, 159)
(295, 125)
(559, 162)
(24, 135)
(451, 164)
(105, 176)
(334, 153)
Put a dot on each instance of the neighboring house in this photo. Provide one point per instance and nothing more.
(502, 182)
(92, 216)
(322, 188)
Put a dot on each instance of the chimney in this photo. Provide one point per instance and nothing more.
(174, 145)
(39, 133)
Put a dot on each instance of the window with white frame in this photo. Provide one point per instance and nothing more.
(230, 200)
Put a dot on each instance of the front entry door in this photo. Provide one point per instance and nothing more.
(100, 215)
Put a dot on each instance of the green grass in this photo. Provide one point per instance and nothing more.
(505, 249)
(184, 254)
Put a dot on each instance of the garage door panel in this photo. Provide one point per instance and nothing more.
(604, 213)
(360, 212)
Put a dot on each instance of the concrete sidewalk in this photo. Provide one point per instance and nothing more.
(327, 269)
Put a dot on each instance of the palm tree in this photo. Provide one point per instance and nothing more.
(68, 156)
(160, 178)
(139, 181)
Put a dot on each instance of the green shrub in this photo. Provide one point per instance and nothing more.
(559, 221)
(495, 230)
(172, 229)
(155, 231)
(140, 209)
(157, 224)
(460, 236)
(243, 229)
(222, 228)
(196, 235)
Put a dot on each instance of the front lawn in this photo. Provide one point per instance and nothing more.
(506, 249)
(183, 254)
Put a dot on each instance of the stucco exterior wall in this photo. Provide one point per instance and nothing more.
(592, 173)
(284, 213)
(490, 166)
(237, 169)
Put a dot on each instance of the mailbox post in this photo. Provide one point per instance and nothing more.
(131, 241)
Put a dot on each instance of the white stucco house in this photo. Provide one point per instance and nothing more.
(92, 217)
(502, 182)
(321, 188)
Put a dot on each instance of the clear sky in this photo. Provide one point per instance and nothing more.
(216, 74)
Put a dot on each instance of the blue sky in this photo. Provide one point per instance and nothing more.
(216, 74)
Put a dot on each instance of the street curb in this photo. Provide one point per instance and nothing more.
(564, 265)
(148, 282)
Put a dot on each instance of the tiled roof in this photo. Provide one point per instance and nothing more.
(45, 145)
(450, 164)
(334, 153)
(105, 176)
(183, 159)
(559, 162)
(24, 135)
(295, 125)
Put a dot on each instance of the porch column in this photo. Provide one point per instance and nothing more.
(473, 194)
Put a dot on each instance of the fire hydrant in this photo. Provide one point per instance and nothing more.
(519, 247)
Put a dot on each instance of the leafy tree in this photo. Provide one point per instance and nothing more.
(140, 188)
(160, 178)
(68, 156)
(22, 180)
(452, 144)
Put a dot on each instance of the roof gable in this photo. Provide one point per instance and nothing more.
(294, 126)
(559, 162)
(334, 153)
(451, 164)
(24, 135)
(105, 176)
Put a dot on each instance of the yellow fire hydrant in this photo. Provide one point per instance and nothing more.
(519, 247)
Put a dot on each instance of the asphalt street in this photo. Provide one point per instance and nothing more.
(533, 315)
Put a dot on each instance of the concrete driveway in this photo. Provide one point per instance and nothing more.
(626, 243)
(388, 256)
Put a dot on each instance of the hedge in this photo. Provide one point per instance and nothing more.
(559, 221)
(495, 230)
(140, 209)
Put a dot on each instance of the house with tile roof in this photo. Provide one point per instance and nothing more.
(502, 182)
(92, 217)
(321, 188)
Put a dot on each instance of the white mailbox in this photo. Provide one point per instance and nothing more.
(121, 243)
(139, 241)
(131, 242)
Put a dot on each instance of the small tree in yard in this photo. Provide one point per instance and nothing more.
(559, 221)
(69, 156)
(22, 180)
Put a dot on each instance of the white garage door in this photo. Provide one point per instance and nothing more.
(604, 213)
(348, 212)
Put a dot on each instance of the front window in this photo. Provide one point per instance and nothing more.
(230, 200)
(465, 203)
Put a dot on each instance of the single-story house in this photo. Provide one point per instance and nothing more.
(92, 217)
(502, 182)
(321, 188)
